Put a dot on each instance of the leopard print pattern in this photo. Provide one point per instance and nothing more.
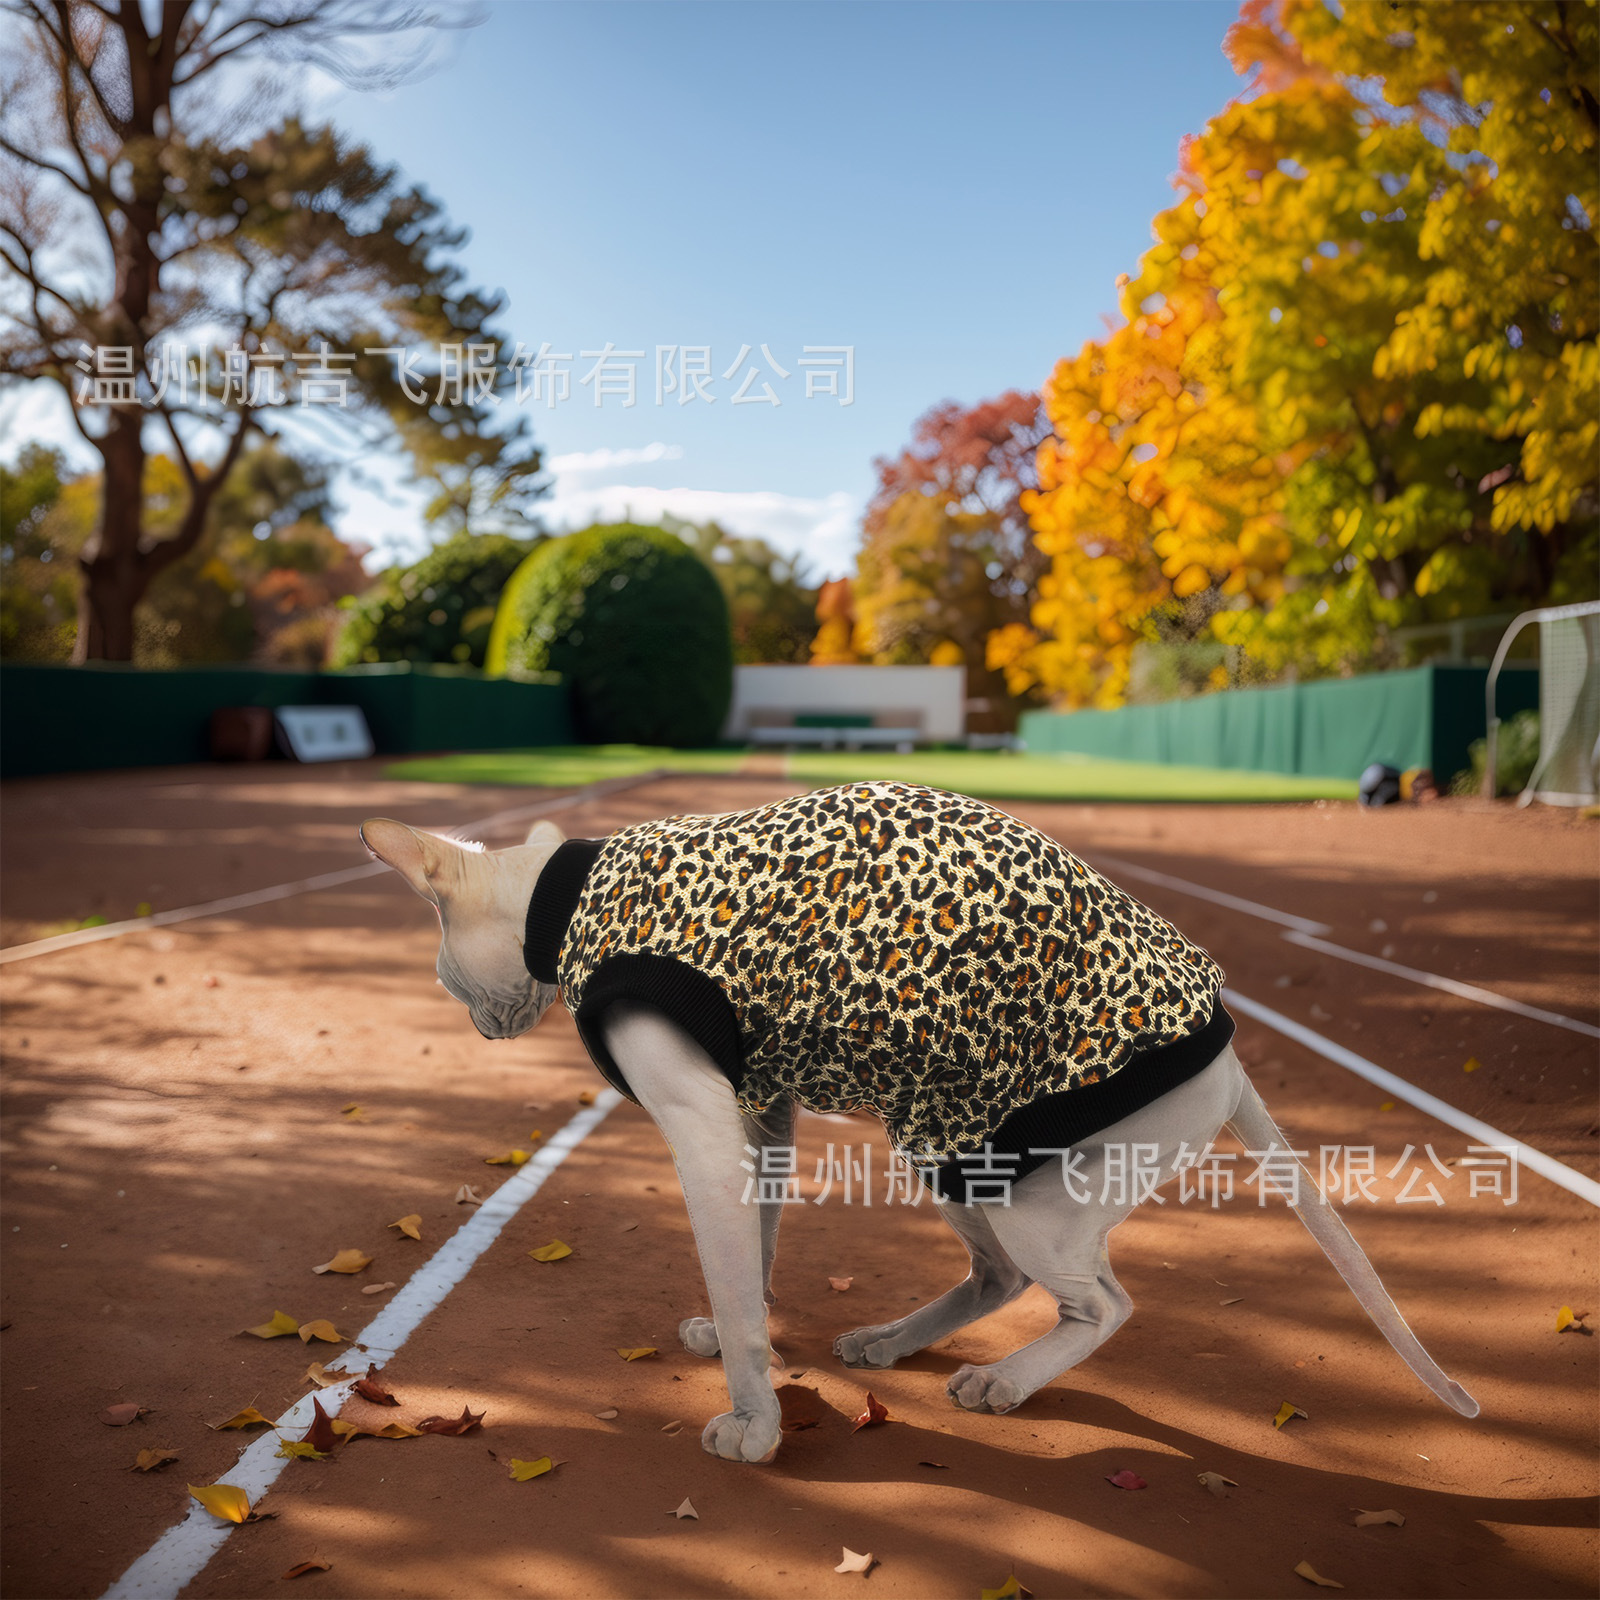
(895, 948)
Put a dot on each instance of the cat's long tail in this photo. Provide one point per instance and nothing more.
(1252, 1122)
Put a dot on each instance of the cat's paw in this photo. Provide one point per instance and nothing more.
(984, 1389)
(699, 1336)
(867, 1347)
(736, 1436)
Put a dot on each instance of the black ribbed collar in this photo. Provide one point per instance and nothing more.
(555, 897)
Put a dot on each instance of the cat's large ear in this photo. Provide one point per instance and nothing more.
(427, 862)
(545, 832)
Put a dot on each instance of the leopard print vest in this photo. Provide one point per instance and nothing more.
(888, 947)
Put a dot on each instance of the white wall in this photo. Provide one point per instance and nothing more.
(936, 694)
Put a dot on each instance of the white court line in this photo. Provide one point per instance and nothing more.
(1534, 1160)
(1303, 932)
(180, 1554)
(324, 880)
(1467, 991)
(1199, 891)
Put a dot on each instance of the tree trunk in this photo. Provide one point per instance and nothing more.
(113, 570)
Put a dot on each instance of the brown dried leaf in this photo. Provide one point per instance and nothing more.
(248, 1418)
(370, 1389)
(672, 1427)
(320, 1435)
(939, 1465)
(377, 1288)
(839, 1285)
(802, 1407)
(586, 1097)
(346, 1261)
(607, 1414)
(1377, 1519)
(149, 1460)
(1311, 1575)
(465, 1423)
(410, 1226)
(316, 1564)
(876, 1412)
(324, 1379)
(1126, 1479)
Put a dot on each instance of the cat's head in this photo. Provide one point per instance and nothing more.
(482, 900)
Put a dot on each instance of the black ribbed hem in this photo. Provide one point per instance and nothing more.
(691, 999)
(555, 897)
(1069, 1116)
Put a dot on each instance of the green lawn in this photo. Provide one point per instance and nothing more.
(985, 774)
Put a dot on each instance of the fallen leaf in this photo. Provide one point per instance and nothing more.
(1009, 1590)
(586, 1097)
(939, 1464)
(839, 1285)
(1388, 1105)
(316, 1564)
(554, 1251)
(299, 1450)
(802, 1407)
(320, 1435)
(353, 1113)
(377, 1288)
(876, 1412)
(324, 1379)
(1376, 1519)
(370, 1389)
(671, 1427)
(1471, 1064)
(1126, 1479)
(149, 1460)
(120, 1416)
(536, 1134)
(522, 1471)
(320, 1329)
(248, 1418)
(607, 1415)
(512, 1158)
(281, 1324)
(1311, 1575)
(390, 1430)
(223, 1500)
(1285, 1411)
(410, 1226)
(346, 1261)
(466, 1195)
(856, 1563)
(1566, 1318)
(465, 1423)
(627, 1227)
(1237, 1299)
(1217, 1484)
(685, 1510)
(639, 1354)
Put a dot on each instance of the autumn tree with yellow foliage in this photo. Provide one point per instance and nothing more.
(1358, 386)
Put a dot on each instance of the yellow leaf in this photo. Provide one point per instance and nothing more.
(536, 1134)
(554, 1251)
(1009, 1590)
(248, 1418)
(1285, 1412)
(636, 1355)
(390, 1430)
(1373, 1519)
(320, 1375)
(1388, 1105)
(354, 1113)
(149, 1460)
(346, 1261)
(523, 1470)
(299, 1450)
(409, 1226)
(586, 1097)
(1311, 1575)
(320, 1329)
(1566, 1318)
(281, 1324)
(1471, 1064)
(512, 1158)
(223, 1500)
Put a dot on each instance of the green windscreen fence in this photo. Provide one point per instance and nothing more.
(1333, 728)
(77, 719)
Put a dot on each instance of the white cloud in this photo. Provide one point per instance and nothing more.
(586, 462)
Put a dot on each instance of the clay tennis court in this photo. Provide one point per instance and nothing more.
(178, 1157)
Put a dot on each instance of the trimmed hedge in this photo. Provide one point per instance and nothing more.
(637, 626)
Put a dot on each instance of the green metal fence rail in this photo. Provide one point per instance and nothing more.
(1332, 728)
(78, 719)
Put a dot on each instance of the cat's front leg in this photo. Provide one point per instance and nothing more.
(693, 1105)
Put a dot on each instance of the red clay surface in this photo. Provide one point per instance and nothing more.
(176, 1162)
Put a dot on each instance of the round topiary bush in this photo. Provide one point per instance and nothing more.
(441, 609)
(635, 622)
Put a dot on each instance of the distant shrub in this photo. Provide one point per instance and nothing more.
(634, 622)
(1516, 755)
(440, 609)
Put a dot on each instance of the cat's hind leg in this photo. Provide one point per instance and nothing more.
(992, 1280)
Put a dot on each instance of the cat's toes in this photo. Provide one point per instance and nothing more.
(982, 1389)
(699, 1336)
(865, 1347)
(737, 1437)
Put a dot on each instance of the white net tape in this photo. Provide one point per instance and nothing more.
(1569, 710)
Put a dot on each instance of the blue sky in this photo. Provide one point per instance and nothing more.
(951, 189)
